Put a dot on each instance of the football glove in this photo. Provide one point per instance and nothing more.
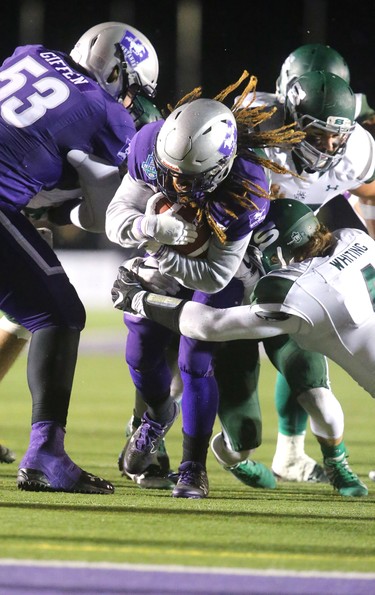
(147, 271)
(125, 287)
(168, 229)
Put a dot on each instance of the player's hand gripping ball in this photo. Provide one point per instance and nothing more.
(199, 247)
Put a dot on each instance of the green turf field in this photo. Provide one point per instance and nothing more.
(296, 526)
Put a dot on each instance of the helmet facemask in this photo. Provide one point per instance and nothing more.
(310, 151)
(180, 187)
(323, 106)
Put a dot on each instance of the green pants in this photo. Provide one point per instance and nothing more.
(237, 372)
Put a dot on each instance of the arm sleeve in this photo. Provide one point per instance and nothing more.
(99, 182)
(209, 274)
(128, 204)
(204, 323)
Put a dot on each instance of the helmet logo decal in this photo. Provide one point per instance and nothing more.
(230, 140)
(296, 94)
(296, 237)
(344, 124)
(134, 50)
(149, 168)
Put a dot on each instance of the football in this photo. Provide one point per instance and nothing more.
(200, 246)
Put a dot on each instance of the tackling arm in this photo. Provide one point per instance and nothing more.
(194, 320)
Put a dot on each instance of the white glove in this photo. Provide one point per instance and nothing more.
(147, 270)
(168, 228)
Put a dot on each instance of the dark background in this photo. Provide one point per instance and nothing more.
(233, 35)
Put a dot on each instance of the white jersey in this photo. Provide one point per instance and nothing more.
(356, 166)
(334, 298)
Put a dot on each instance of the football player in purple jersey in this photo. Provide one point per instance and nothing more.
(58, 111)
(195, 157)
(307, 293)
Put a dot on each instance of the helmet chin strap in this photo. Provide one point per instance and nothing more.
(281, 257)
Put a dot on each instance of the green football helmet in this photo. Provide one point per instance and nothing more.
(323, 105)
(307, 58)
(289, 225)
(143, 111)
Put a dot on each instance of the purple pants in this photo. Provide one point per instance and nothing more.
(145, 355)
(34, 288)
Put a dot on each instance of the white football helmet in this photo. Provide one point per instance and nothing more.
(195, 147)
(118, 56)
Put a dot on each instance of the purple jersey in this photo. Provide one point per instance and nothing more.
(47, 108)
(141, 166)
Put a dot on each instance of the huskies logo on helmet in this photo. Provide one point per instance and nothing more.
(134, 50)
(230, 141)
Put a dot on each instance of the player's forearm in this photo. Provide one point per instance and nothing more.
(127, 206)
(204, 323)
(209, 274)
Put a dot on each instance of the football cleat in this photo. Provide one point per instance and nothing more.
(33, 480)
(192, 482)
(46, 466)
(145, 442)
(342, 478)
(254, 475)
(251, 473)
(291, 463)
(372, 475)
(6, 455)
(154, 477)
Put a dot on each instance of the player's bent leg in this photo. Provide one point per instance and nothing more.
(327, 424)
(237, 373)
(301, 370)
(45, 465)
(249, 472)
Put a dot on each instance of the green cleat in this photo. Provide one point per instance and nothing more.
(254, 475)
(342, 477)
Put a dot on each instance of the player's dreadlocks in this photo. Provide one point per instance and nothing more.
(249, 139)
(248, 118)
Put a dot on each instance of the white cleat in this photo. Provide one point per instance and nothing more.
(291, 463)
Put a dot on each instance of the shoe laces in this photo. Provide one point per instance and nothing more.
(150, 434)
(191, 473)
(339, 472)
